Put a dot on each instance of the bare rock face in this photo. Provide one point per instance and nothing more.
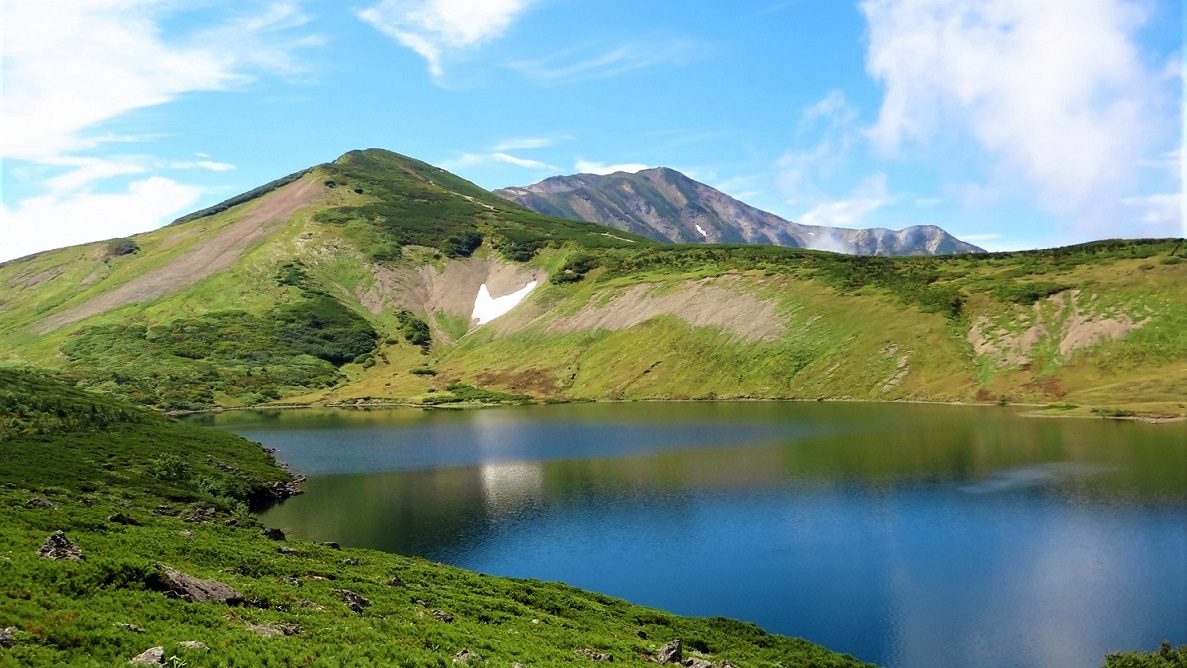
(153, 656)
(58, 546)
(179, 585)
(670, 653)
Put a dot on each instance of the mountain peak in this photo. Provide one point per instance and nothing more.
(667, 205)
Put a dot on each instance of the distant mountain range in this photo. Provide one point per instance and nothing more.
(665, 205)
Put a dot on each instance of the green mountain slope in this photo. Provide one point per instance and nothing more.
(138, 493)
(356, 281)
(665, 205)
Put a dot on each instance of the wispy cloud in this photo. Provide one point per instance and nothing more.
(71, 66)
(867, 197)
(464, 160)
(1057, 95)
(527, 143)
(591, 167)
(584, 64)
(1159, 214)
(436, 28)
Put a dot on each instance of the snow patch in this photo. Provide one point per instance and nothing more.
(701, 230)
(487, 308)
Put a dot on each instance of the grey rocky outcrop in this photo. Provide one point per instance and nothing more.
(187, 587)
(153, 656)
(594, 655)
(58, 546)
(40, 502)
(670, 653)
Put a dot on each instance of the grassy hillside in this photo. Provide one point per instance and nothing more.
(135, 491)
(355, 280)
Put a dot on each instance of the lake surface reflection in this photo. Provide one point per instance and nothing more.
(907, 535)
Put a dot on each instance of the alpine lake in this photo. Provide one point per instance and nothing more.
(903, 534)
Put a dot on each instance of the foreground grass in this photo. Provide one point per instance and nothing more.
(183, 492)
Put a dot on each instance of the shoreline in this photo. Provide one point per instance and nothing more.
(361, 404)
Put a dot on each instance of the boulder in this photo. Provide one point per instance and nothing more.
(179, 585)
(6, 636)
(332, 545)
(153, 656)
(395, 582)
(442, 616)
(352, 600)
(120, 518)
(193, 645)
(671, 652)
(58, 546)
(273, 534)
(130, 628)
(698, 663)
(39, 502)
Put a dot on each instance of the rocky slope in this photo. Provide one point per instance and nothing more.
(665, 205)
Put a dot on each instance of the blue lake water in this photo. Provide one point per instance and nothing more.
(906, 535)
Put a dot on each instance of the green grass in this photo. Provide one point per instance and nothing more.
(93, 457)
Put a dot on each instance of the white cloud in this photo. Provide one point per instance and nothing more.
(1161, 213)
(573, 65)
(58, 220)
(869, 196)
(525, 143)
(473, 159)
(432, 28)
(1055, 93)
(208, 165)
(832, 122)
(591, 167)
(69, 67)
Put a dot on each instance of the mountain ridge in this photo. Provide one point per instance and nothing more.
(665, 205)
(358, 282)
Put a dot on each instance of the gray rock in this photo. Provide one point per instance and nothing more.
(352, 600)
(39, 502)
(6, 636)
(187, 587)
(466, 656)
(697, 663)
(120, 518)
(153, 656)
(273, 534)
(284, 549)
(193, 645)
(395, 582)
(130, 628)
(594, 655)
(332, 545)
(350, 561)
(58, 546)
(442, 616)
(275, 629)
(671, 652)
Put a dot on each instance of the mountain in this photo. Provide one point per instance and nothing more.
(664, 205)
(379, 278)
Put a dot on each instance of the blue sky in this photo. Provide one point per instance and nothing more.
(1010, 123)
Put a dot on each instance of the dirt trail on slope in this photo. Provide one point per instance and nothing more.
(206, 259)
(709, 302)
